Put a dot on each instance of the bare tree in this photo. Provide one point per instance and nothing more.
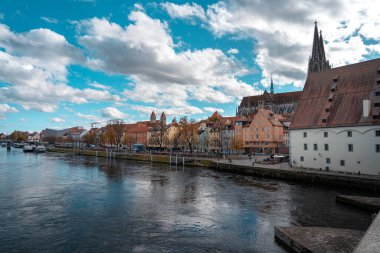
(188, 132)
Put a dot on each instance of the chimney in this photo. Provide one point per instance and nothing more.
(366, 107)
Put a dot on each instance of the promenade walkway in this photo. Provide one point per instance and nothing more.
(287, 167)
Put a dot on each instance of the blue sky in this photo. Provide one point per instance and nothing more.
(73, 62)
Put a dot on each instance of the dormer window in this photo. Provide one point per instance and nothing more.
(378, 81)
(324, 120)
(336, 78)
(378, 70)
(327, 109)
(331, 98)
(333, 87)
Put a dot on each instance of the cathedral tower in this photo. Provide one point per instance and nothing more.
(317, 61)
(163, 118)
(153, 117)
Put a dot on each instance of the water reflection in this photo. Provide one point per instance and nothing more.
(62, 203)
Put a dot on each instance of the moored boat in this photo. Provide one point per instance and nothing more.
(40, 149)
(28, 148)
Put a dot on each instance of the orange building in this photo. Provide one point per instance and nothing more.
(260, 133)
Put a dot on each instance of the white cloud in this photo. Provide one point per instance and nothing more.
(185, 11)
(99, 86)
(88, 116)
(284, 33)
(57, 120)
(233, 51)
(213, 109)
(112, 112)
(169, 111)
(50, 20)
(145, 51)
(34, 65)
(5, 108)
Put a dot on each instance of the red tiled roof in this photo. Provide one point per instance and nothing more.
(356, 82)
(277, 98)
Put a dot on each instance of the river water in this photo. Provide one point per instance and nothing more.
(64, 203)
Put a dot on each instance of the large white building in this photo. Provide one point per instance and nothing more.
(337, 122)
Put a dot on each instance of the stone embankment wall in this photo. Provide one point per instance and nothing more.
(335, 180)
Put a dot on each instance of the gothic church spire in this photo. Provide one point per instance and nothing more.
(271, 85)
(317, 61)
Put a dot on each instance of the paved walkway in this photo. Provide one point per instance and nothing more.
(286, 166)
(370, 243)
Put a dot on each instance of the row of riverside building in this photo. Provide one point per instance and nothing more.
(333, 124)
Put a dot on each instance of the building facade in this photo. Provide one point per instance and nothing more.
(264, 133)
(337, 122)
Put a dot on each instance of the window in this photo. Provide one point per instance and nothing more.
(325, 134)
(328, 160)
(268, 136)
(324, 120)
(257, 136)
(349, 133)
(262, 129)
(327, 109)
(377, 148)
(336, 78)
(315, 146)
(301, 158)
(350, 147)
(377, 93)
(377, 104)
(304, 134)
(377, 133)
(342, 163)
(326, 147)
(304, 146)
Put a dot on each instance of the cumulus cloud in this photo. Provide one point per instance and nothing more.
(169, 111)
(213, 109)
(233, 51)
(50, 20)
(112, 112)
(5, 108)
(87, 116)
(99, 86)
(57, 120)
(34, 67)
(185, 11)
(145, 51)
(283, 34)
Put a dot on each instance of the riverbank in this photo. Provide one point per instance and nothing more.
(280, 172)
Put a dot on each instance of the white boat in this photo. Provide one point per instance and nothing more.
(40, 149)
(28, 148)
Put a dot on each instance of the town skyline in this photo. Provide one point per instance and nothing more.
(61, 69)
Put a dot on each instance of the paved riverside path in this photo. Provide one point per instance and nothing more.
(318, 239)
(370, 203)
(370, 243)
(286, 166)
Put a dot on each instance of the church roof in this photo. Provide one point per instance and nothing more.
(353, 84)
(277, 98)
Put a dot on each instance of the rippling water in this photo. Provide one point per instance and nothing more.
(63, 203)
